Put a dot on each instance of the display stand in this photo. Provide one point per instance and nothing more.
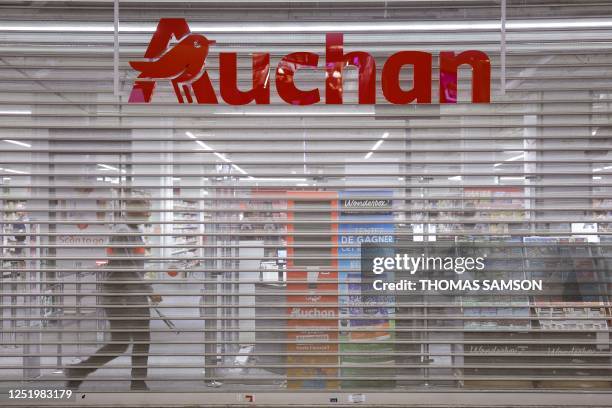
(312, 274)
(495, 317)
(571, 322)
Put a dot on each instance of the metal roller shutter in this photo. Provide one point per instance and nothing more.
(259, 214)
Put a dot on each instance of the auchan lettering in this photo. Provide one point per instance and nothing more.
(184, 65)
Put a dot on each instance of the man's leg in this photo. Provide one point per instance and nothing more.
(140, 357)
(102, 356)
(141, 337)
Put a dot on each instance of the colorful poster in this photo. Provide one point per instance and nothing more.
(364, 316)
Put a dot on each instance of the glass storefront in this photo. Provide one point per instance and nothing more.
(229, 249)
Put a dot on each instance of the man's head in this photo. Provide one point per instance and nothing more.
(137, 210)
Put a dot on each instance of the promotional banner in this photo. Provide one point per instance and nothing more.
(357, 303)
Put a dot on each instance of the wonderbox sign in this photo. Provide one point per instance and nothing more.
(184, 65)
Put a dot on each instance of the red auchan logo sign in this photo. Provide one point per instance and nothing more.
(184, 65)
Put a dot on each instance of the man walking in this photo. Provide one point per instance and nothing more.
(125, 300)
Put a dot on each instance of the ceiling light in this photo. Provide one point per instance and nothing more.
(210, 149)
(377, 144)
(112, 168)
(16, 142)
(15, 171)
(239, 169)
(510, 159)
(219, 155)
(107, 167)
(15, 112)
(222, 157)
(515, 157)
(315, 27)
(204, 145)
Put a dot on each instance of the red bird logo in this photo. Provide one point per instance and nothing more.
(182, 64)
